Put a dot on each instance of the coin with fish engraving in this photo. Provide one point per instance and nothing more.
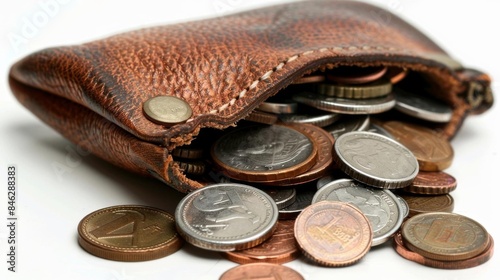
(261, 271)
(444, 236)
(129, 233)
(226, 217)
(381, 207)
(433, 151)
(279, 248)
(333, 233)
(264, 153)
(375, 160)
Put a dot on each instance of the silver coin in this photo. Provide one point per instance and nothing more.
(346, 106)
(282, 197)
(375, 160)
(347, 124)
(381, 207)
(226, 217)
(303, 199)
(278, 106)
(404, 206)
(317, 120)
(422, 106)
(323, 181)
(379, 130)
(257, 153)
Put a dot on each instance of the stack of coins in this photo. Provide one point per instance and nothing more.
(322, 165)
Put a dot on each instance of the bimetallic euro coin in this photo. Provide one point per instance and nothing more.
(226, 217)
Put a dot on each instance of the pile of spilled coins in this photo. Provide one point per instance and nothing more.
(321, 169)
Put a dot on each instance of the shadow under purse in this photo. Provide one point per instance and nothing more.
(223, 69)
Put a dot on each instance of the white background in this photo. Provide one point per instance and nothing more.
(50, 205)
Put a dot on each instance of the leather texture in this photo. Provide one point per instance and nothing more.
(223, 67)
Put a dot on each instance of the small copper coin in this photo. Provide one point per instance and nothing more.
(395, 74)
(129, 233)
(192, 168)
(324, 141)
(188, 153)
(310, 79)
(433, 151)
(356, 75)
(419, 204)
(262, 153)
(261, 271)
(433, 183)
(444, 236)
(333, 233)
(467, 263)
(167, 110)
(280, 248)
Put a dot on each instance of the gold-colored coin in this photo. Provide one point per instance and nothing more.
(445, 236)
(129, 233)
(433, 151)
(167, 110)
(378, 88)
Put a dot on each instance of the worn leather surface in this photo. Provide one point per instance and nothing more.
(223, 67)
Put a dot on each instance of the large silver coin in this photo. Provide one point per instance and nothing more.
(348, 124)
(346, 106)
(422, 106)
(381, 207)
(226, 217)
(264, 153)
(375, 160)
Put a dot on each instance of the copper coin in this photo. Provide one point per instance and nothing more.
(261, 271)
(433, 151)
(310, 79)
(467, 263)
(433, 183)
(395, 74)
(444, 236)
(262, 153)
(356, 75)
(333, 233)
(280, 248)
(429, 203)
(324, 141)
(129, 233)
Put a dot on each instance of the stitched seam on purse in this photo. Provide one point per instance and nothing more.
(278, 67)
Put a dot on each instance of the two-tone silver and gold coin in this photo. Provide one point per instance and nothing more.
(226, 217)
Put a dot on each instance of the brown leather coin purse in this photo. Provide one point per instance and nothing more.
(224, 67)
